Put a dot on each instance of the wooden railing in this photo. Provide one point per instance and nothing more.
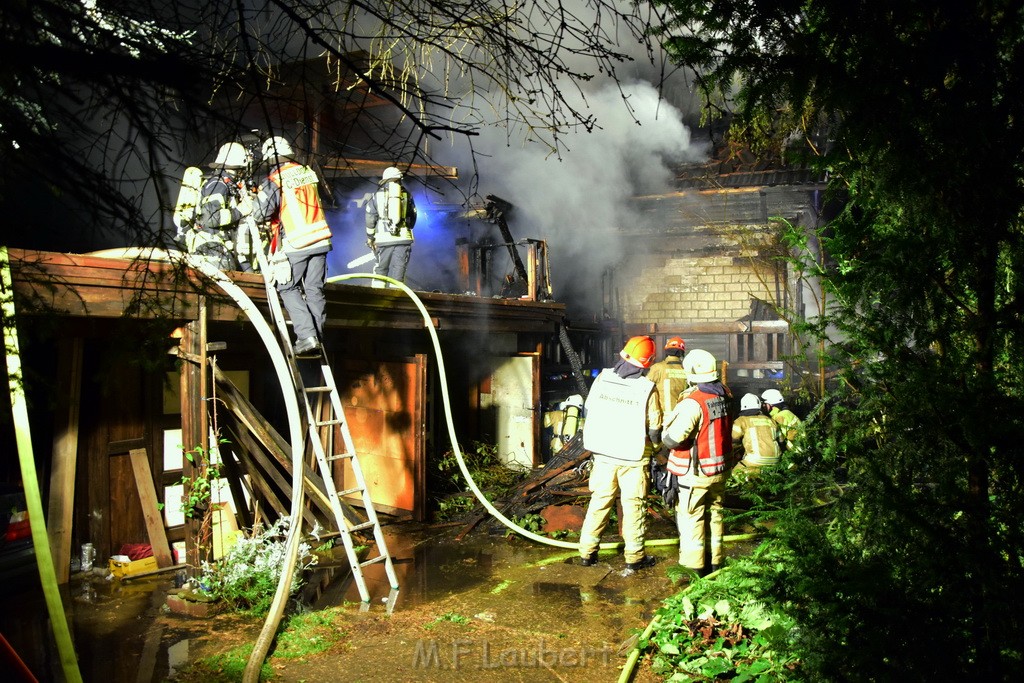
(761, 347)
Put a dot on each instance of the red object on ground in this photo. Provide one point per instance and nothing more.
(16, 530)
(137, 551)
(17, 666)
(562, 517)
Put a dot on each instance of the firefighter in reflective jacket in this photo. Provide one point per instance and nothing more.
(623, 419)
(668, 375)
(698, 434)
(300, 240)
(757, 435)
(789, 424)
(390, 218)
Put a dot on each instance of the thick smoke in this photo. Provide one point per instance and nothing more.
(578, 201)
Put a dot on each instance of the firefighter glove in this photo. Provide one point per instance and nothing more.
(280, 268)
(245, 203)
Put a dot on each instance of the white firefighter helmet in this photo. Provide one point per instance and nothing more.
(276, 147)
(391, 173)
(772, 397)
(231, 155)
(700, 366)
(750, 402)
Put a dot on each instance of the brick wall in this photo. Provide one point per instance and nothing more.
(672, 285)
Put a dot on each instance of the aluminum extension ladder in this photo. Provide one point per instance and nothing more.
(320, 432)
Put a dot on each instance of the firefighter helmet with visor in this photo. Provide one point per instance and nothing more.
(772, 397)
(700, 366)
(231, 155)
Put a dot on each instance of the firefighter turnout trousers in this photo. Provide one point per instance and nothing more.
(698, 516)
(611, 480)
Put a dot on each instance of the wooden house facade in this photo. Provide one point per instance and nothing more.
(128, 356)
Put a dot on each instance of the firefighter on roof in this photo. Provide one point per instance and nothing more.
(390, 218)
(224, 206)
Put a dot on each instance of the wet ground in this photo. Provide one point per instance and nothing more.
(486, 608)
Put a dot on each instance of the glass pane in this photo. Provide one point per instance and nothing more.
(173, 459)
(173, 516)
(172, 394)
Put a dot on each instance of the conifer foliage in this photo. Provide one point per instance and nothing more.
(901, 545)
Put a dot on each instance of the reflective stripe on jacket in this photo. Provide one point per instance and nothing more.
(670, 379)
(760, 438)
(301, 214)
(218, 204)
(789, 425)
(707, 439)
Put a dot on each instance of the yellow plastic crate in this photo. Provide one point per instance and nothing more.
(132, 567)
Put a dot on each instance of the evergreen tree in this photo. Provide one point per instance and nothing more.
(915, 109)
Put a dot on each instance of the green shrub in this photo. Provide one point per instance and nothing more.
(717, 629)
(246, 577)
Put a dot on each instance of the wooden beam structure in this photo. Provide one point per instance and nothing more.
(150, 507)
(61, 505)
(91, 286)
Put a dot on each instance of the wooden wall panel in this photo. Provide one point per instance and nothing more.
(127, 524)
(384, 405)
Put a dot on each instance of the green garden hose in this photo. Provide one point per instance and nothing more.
(30, 480)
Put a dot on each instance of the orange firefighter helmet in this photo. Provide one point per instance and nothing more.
(675, 343)
(638, 351)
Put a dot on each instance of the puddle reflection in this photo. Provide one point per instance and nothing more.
(121, 630)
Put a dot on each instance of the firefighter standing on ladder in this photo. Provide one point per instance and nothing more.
(300, 240)
(390, 218)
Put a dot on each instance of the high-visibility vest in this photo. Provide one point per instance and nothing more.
(711, 446)
(301, 214)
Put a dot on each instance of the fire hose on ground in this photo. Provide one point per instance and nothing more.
(457, 450)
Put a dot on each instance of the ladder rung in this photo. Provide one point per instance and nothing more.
(340, 456)
(347, 492)
(317, 390)
(360, 527)
(328, 422)
(379, 558)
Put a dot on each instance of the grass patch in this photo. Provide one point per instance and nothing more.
(447, 616)
(225, 667)
(308, 633)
